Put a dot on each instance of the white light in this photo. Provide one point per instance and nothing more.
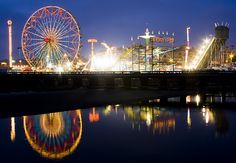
(104, 62)
(200, 52)
(68, 64)
(198, 100)
(203, 109)
(188, 117)
(49, 65)
(207, 41)
(59, 69)
(207, 117)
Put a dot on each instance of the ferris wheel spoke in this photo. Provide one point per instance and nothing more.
(43, 32)
(59, 50)
(39, 31)
(45, 24)
(37, 48)
(61, 28)
(35, 45)
(40, 56)
(54, 23)
(35, 39)
(33, 53)
(55, 55)
(66, 46)
(66, 32)
(66, 42)
(38, 27)
(39, 52)
(64, 51)
(50, 22)
(67, 36)
(42, 27)
(63, 25)
(63, 20)
(59, 25)
(35, 34)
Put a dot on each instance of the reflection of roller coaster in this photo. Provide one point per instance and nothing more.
(159, 121)
(54, 135)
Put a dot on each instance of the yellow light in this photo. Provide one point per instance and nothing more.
(148, 121)
(13, 129)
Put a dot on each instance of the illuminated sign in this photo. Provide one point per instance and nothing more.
(159, 39)
(164, 37)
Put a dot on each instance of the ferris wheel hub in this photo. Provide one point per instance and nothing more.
(47, 40)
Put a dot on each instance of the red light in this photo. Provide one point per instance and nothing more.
(47, 40)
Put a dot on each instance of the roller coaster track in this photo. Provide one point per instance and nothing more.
(202, 56)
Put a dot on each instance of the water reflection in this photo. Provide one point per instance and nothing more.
(54, 135)
(94, 116)
(58, 135)
(160, 121)
(13, 129)
(189, 122)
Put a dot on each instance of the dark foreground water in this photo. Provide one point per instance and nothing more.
(122, 134)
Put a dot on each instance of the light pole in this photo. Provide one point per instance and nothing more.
(92, 41)
(9, 22)
(187, 48)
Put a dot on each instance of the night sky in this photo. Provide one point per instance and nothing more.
(115, 21)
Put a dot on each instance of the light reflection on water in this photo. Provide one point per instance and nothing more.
(75, 135)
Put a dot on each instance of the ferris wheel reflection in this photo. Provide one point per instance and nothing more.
(54, 135)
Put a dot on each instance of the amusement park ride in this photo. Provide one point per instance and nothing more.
(51, 43)
(51, 39)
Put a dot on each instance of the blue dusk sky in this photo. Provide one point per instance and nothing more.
(115, 21)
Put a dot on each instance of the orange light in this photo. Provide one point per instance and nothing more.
(92, 40)
(94, 116)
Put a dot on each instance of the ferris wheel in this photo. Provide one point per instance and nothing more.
(50, 37)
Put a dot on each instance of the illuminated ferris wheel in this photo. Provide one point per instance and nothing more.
(50, 37)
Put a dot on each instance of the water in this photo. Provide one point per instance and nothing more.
(122, 134)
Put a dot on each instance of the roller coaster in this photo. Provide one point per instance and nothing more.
(212, 51)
